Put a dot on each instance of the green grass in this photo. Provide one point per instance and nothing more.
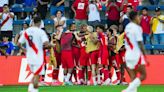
(143, 88)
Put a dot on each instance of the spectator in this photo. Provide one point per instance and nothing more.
(145, 24)
(36, 14)
(60, 19)
(10, 46)
(94, 14)
(158, 27)
(56, 5)
(7, 22)
(113, 12)
(42, 7)
(79, 7)
(25, 26)
(2, 3)
(124, 20)
(154, 2)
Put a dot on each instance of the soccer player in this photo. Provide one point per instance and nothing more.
(76, 53)
(57, 51)
(67, 60)
(92, 47)
(35, 39)
(104, 54)
(114, 55)
(135, 52)
(84, 56)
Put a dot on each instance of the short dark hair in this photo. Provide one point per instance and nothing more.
(59, 11)
(132, 15)
(71, 25)
(5, 5)
(101, 27)
(145, 8)
(37, 20)
(130, 6)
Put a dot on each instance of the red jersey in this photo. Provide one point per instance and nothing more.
(81, 9)
(66, 41)
(145, 24)
(104, 40)
(113, 11)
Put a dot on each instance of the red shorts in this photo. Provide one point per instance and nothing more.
(58, 58)
(84, 58)
(67, 59)
(94, 57)
(76, 54)
(104, 57)
(114, 61)
(122, 57)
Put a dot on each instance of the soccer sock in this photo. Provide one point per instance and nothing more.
(124, 80)
(65, 76)
(110, 75)
(94, 80)
(99, 78)
(68, 77)
(55, 74)
(35, 90)
(134, 84)
(75, 75)
(106, 74)
(30, 87)
(89, 75)
(118, 73)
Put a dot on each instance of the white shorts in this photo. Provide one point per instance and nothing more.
(37, 69)
(134, 62)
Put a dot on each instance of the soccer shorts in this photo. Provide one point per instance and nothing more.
(37, 69)
(94, 57)
(113, 61)
(104, 57)
(135, 61)
(84, 58)
(76, 54)
(67, 59)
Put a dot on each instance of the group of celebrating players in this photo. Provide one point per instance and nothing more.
(88, 54)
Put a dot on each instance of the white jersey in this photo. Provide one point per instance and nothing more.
(8, 25)
(133, 34)
(34, 47)
(94, 14)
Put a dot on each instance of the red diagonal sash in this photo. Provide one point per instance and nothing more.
(3, 22)
(128, 41)
(31, 44)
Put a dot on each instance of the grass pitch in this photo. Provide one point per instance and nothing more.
(119, 88)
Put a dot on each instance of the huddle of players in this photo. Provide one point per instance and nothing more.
(91, 51)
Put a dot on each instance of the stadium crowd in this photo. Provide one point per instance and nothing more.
(86, 45)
